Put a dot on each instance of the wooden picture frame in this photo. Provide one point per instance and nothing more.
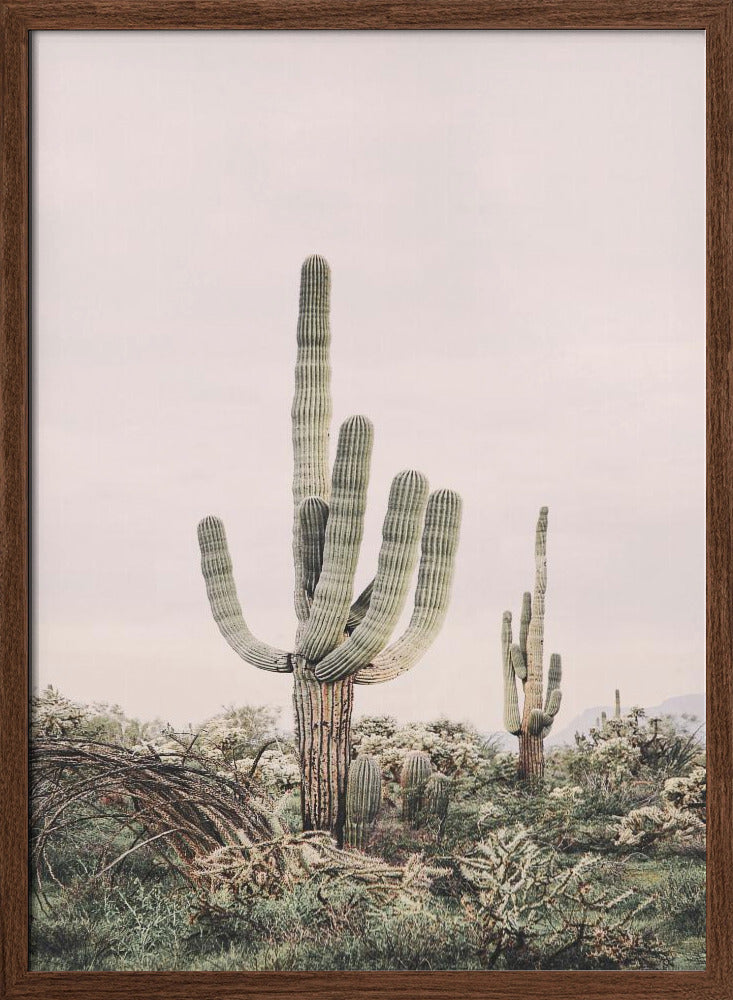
(22, 17)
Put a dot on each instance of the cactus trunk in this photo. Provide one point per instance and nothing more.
(531, 757)
(323, 726)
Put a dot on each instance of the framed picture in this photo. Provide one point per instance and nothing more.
(366, 499)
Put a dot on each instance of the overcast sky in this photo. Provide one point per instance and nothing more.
(515, 225)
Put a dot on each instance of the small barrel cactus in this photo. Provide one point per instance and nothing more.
(363, 799)
(437, 795)
(416, 770)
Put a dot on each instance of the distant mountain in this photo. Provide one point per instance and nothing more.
(686, 704)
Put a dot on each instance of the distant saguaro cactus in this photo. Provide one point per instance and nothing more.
(617, 705)
(339, 643)
(524, 660)
(363, 799)
(416, 770)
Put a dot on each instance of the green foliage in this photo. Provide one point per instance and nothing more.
(518, 878)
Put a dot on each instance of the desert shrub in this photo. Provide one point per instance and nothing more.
(535, 912)
(634, 747)
(688, 793)
(679, 830)
(54, 715)
(456, 749)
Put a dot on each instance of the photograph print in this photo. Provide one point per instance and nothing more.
(368, 501)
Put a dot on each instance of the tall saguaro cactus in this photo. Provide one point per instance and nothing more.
(523, 660)
(339, 641)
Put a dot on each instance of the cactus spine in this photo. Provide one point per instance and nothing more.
(524, 661)
(363, 799)
(416, 770)
(339, 641)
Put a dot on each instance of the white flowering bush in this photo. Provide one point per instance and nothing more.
(55, 716)
(455, 749)
(652, 826)
(618, 759)
(688, 792)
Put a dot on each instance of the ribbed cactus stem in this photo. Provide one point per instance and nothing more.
(344, 529)
(363, 799)
(437, 795)
(312, 518)
(617, 705)
(512, 716)
(416, 769)
(523, 660)
(439, 545)
(359, 608)
(311, 410)
(216, 566)
(397, 556)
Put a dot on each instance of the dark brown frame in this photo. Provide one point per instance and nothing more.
(18, 19)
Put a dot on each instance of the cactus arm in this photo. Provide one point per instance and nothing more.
(518, 662)
(312, 518)
(524, 621)
(359, 608)
(344, 528)
(538, 721)
(216, 566)
(311, 409)
(536, 630)
(554, 677)
(432, 595)
(397, 556)
(512, 718)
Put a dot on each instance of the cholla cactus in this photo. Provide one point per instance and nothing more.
(416, 770)
(339, 641)
(363, 799)
(524, 660)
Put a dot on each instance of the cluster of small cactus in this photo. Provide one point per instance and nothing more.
(523, 660)
(339, 641)
(363, 799)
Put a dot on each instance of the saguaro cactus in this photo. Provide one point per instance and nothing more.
(524, 660)
(339, 642)
(617, 705)
(363, 799)
(416, 770)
